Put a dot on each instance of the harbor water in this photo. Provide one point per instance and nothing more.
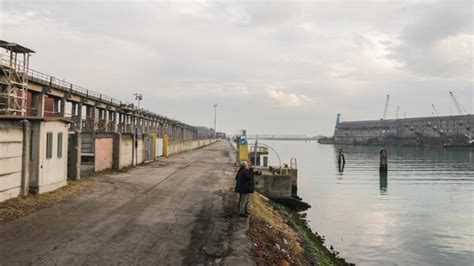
(420, 213)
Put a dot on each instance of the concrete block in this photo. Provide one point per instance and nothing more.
(273, 186)
(9, 165)
(10, 149)
(103, 154)
(10, 132)
(10, 180)
(10, 193)
(126, 146)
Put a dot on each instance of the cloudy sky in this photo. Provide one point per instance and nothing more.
(272, 67)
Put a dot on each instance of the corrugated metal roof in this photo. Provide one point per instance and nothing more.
(15, 47)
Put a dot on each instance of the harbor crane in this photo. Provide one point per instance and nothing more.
(386, 107)
(435, 111)
(459, 107)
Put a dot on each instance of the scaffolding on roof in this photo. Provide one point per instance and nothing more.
(14, 87)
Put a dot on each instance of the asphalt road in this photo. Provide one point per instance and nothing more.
(177, 211)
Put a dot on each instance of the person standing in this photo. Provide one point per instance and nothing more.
(245, 185)
(242, 166)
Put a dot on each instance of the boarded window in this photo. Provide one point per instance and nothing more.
(60, 145)
(49, 145)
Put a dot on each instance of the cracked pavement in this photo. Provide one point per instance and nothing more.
(175, 211)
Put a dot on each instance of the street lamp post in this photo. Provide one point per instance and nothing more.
(215, 116)
(138, 98)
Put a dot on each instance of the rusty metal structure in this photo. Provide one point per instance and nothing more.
(14, 85)
(30, 93)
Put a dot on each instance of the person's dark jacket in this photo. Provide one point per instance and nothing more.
(245, 181)
(237, 178)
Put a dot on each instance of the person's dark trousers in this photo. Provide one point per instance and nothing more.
(243, 203)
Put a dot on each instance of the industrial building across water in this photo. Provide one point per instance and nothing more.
(436, 130)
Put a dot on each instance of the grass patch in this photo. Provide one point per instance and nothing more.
(25, 205)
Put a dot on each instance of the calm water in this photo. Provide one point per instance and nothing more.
(421, 214)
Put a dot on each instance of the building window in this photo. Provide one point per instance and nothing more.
(49, 145)
(60, 145)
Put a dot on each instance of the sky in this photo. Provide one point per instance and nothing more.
(272, 67)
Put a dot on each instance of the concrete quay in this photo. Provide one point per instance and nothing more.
(174, 211)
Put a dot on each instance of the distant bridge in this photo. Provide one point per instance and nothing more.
(283, 137)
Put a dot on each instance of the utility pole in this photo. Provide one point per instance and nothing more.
(138, 98)
(255, 152)
(215, 119)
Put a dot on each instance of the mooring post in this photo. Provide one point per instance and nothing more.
(341, 159)
(383, 161)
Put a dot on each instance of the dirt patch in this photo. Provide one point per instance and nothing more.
(25, 205)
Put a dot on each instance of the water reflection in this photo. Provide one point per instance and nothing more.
(383, 183)
(340, 168)
(425, 219)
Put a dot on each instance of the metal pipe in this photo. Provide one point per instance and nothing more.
(276, 153)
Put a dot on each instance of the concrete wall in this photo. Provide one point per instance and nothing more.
(51, 173)
(103, 154)
(11, 145)
(125, 153)
(140, 157)
(274, 186)
(74, 155)
(106, 150)
(178, 146)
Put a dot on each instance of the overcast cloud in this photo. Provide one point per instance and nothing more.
(272, 67)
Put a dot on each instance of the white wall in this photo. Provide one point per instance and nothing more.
(52, 173)
(159, 147)
(178, 146)
(11, 149)
(126, 145)
(140, 156)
